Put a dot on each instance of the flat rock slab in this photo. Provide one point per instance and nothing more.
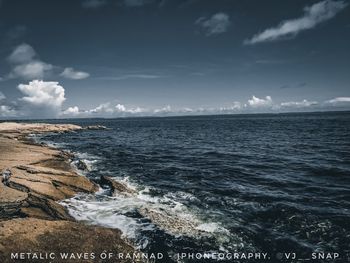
(8, 195)
(35, 235)
(36, 127)
(31, 172)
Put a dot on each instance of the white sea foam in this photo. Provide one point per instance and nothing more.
(165, 212)
(108, 212)
(89, 160)
(212, 228)
(39, 138)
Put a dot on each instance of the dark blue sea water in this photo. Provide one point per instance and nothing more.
(246, 183)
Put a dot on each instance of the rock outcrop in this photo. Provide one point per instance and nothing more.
(81, 165)
(117, 187)
(31, 219)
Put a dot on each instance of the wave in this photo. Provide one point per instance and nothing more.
(142, 212)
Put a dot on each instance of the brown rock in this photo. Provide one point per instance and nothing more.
(52, 209)
(35, 235)
(11, 201)
(34, 221)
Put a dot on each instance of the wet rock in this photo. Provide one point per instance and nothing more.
(117, 187)
(81, 165)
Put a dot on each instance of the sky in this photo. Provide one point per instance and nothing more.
(116, 58)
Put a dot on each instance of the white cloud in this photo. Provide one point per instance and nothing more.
(22, 54)
(107, 109)
(70, 73)
(339, 100)
(298, 104)
(257, 102)
(42, 99)
(72, 111)
(236, 106)
(313, 15)
(120, 108)
(216, 24)
(166, 109)
(103, 108)
(112, 110)
(186, 110)
(31, 70)
(93, 3)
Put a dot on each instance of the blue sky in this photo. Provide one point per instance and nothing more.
(105, 58)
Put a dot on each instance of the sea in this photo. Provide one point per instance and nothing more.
(263, 183)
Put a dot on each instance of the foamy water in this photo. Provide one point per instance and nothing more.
(166, 213)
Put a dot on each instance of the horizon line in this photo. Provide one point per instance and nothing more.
(177, 116)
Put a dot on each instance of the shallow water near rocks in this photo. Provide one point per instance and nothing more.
(265, 183)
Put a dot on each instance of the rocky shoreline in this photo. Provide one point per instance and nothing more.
(31, 220)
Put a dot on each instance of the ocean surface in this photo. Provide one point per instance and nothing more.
(233, 183)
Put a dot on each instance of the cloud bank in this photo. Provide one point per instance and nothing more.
(298, 104)
(256, 102)
(107, 109)
(313, 15)
(217, 24)
(252, 105)
(44, 99)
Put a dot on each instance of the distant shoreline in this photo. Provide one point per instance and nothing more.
(65, 120)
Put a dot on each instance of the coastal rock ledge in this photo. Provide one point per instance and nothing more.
(30, 217)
